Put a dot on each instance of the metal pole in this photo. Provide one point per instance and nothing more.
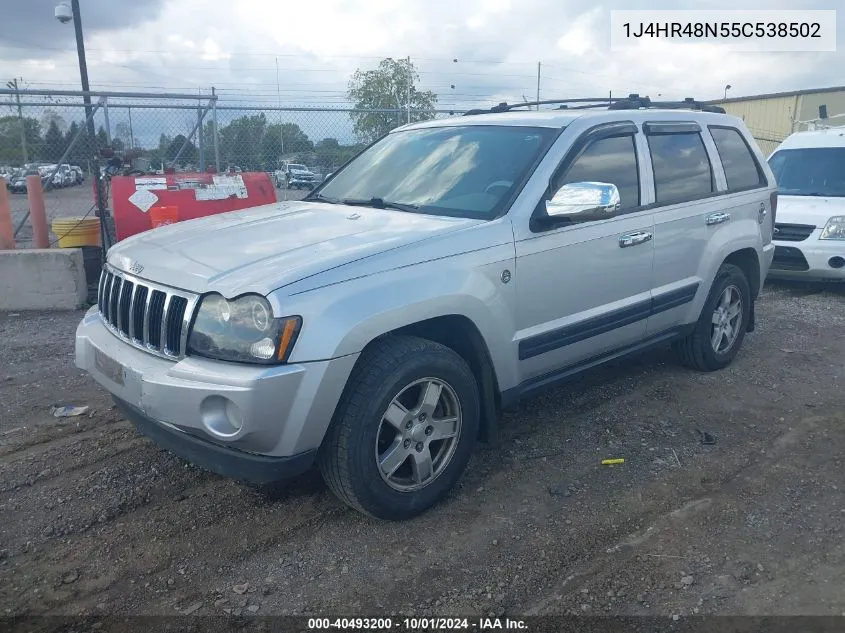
(21, 122)
(92, 132)
(106, 117)
(538, 84)
(281, 131)
(410, 80)
(131, 132)
(200, 145)
(214, 138)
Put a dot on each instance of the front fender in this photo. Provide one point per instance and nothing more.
(341, 319)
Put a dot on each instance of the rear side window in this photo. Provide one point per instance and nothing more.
(741, 168)
(682, 170)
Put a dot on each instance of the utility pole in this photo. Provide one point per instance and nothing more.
(538, 84)
(14, 86)
(92, 132)
(279, 101)
(410, 80)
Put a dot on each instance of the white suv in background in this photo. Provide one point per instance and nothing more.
(810, 232)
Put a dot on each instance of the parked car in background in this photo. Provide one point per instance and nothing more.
(7, 172)
(379, 326)
(18, 183)
(296, 176)
(79, 175)
(810, 230)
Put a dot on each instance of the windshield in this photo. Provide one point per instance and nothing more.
(811, 171)
(298, 167)
(465, 171)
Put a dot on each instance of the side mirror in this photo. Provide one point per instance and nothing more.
(584, 202)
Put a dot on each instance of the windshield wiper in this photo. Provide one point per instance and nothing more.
(380, 203)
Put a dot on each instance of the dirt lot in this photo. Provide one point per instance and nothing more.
(95, 519)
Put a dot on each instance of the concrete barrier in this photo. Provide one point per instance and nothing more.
(42, 279)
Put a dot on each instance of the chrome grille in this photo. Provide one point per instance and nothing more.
(149, 316)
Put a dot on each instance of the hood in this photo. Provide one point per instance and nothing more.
(268, 247)
(815, 210)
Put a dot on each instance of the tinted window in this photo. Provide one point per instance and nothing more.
(681, 167)
(740, 165)
(463, 170)
(610, 160)
(812, 171)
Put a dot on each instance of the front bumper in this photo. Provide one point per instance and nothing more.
(811, 258)
(229, 462)
(261, 412)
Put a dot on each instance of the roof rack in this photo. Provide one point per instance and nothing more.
(631, 102)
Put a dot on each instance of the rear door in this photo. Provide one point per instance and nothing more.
(700, 208)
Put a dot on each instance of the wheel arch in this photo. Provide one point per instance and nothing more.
(460, 334)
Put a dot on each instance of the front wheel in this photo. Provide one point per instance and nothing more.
(720, 330)
(404, 429)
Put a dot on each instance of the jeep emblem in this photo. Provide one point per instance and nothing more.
(136, 267)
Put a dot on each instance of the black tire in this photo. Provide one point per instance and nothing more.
(696, 350)
(347, 457)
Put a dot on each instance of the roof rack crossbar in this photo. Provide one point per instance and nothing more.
(631, 102)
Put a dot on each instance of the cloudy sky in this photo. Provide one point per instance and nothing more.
(190, 45)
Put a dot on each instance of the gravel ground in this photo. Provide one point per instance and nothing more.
(96, 519)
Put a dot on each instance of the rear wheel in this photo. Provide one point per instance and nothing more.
(720, 329)
(404, 430)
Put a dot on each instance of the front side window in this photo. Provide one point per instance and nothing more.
(466, 171)
(611, 160)
(811, 171)
(682, 169)
(741, 169)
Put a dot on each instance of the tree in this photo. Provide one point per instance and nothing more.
(50, 116)
(54, 143)
(11, 152)
(241, 140)
(188, 155)
(281, 139)
(102, 138)
(391, 86)
(331, 154)
(123, 133)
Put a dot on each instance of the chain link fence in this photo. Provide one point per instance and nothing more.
(44, 132)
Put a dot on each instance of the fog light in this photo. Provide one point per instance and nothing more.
(235, 416)
(221, 417)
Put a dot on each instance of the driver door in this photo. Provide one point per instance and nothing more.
(584, 288)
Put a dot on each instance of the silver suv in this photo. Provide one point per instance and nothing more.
(378, 327)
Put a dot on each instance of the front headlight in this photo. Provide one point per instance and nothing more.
(242, 330)
(834, 229)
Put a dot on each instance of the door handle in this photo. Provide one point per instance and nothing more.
(632, 239)
(717, 218)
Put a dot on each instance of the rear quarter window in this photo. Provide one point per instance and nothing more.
(742, 170)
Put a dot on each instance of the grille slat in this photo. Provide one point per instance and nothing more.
(139, 312)
(156, 313)
(116, 283)
(793, 232)
(175, 316)
(123, 312)
(147, 315)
